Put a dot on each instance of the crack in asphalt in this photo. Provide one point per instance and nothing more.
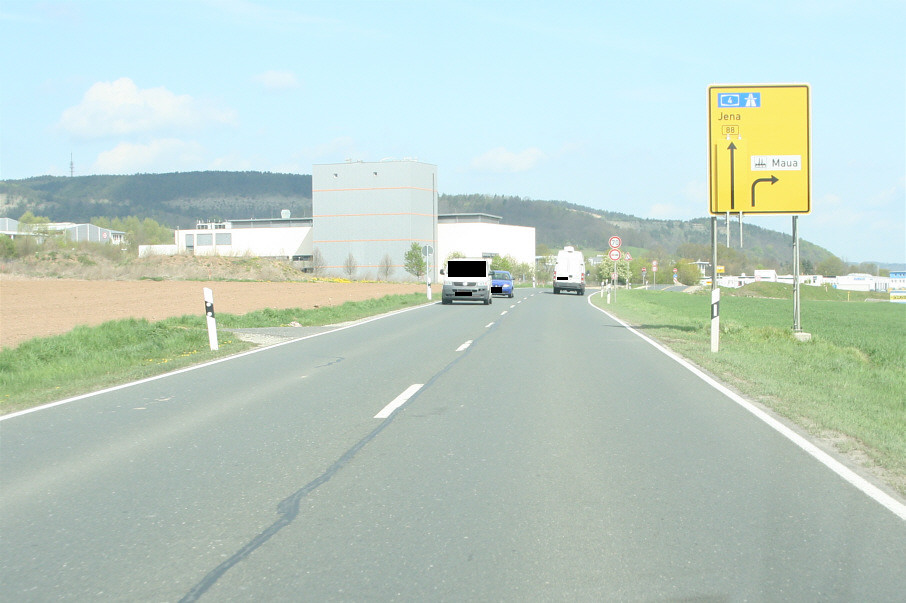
(288, 508)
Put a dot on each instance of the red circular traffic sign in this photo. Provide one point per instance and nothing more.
(614, 254)
(615, 242)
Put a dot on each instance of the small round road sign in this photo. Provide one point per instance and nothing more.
(615, 242)
(614, 254)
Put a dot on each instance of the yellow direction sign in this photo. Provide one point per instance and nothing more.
(759, 148)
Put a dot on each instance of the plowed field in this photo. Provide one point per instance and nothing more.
(41, 307)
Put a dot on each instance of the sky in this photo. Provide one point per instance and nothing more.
(598, 103)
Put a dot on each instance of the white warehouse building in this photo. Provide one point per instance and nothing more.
(284, 237)
(370, 211)
(482, 235)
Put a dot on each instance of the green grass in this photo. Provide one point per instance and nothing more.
(848, 383)
(89, 358)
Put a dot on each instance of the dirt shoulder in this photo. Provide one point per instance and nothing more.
(41, 307)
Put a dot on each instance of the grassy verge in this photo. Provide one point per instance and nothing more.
(848, 384)
(90, 358)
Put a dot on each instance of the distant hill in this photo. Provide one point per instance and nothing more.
(178, 200)
(558, 223)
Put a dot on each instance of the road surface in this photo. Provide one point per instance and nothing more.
(533, 449)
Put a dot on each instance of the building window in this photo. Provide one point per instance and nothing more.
(205, 240)
(224, 238)
(190, 241)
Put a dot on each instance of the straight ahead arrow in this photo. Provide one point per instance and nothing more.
(732, 149)
(772, 180)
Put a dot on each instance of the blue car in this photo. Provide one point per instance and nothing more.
(501, 283)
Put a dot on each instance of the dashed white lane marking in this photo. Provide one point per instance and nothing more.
(464, 346)
(504, 312)
(203, 365)
(399, 401)
(489, 325)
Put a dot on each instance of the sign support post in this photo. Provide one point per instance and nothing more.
(614, 254)
(728, 229)
(796, 326)
(715, 290)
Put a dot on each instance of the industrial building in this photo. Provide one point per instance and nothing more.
(372, 212)
(72, 231)
(284, 237)
(366, 214)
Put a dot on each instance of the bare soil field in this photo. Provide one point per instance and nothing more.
(32, 307)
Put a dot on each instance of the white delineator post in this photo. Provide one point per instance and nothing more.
(209, 313)
(715, 320)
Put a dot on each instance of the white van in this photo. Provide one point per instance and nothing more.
(467, 279)
(569, 273)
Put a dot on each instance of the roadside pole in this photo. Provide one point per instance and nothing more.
(715, 290)
(614, 254)
(427, 250)
(209, 313)
(797, 302)
(796, 326)
(728, 230)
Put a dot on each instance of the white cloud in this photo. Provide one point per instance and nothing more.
(500, 160)
(120, 108)
(164, 155)
(663, 211)
(693, 203)
(277, 80)
(697, 192)
(232, 162)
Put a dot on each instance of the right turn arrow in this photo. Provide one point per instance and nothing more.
(772, 180)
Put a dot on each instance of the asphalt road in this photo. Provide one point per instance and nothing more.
(544, 453)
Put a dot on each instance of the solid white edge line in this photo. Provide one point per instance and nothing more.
(399, 401)
(464, 346)
(206, 364)
(886, 500)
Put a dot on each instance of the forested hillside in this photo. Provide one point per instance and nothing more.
(558, 223)
(176, 200)
(181, 199)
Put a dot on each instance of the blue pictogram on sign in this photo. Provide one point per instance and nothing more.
(736, 100)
